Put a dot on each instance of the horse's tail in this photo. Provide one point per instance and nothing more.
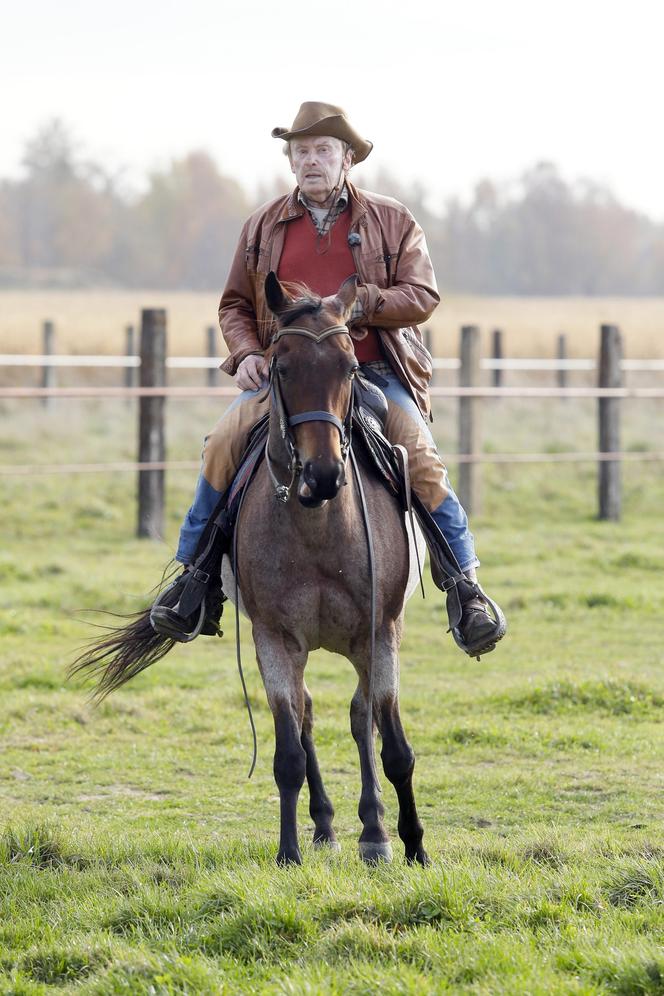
(121, 654)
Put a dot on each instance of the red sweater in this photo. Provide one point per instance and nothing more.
(324, 271)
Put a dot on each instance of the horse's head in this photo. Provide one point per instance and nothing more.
(312, 365)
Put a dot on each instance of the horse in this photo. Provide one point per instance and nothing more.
(312, 574)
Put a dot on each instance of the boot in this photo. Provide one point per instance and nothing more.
(188, 607)
(482, 623)
(476, 622)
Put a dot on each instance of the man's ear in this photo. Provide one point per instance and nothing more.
(277, 298)
(347, 294)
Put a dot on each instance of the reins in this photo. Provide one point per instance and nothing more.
(283, 493)
(372, 655)
(238, 654)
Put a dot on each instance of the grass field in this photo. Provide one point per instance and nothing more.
(94, 321)
(136, 858)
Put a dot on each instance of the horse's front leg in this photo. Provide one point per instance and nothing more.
(283, 676)
(320, 807)
(374, 842)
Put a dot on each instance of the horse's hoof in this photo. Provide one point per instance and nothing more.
(325, 844)
(373, 854)
(420, 857)
(289, 858)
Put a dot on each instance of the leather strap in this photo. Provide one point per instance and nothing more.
(401, 454)
(372, 659)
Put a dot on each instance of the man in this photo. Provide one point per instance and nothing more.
(321, 233)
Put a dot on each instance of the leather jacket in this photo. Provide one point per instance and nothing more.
(397, 287)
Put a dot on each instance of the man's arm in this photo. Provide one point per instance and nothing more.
(413, 296)
(237, 311)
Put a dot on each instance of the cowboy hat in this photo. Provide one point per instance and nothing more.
(316, 118)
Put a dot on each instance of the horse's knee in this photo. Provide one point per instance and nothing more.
(290, 758)
(397, 755)
(290, 766)
(398, 761)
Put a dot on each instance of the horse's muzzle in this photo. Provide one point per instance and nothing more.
(320, 481)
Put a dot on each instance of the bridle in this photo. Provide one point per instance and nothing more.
(287, 422)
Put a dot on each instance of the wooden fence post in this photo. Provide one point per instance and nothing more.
(561, 354)
(48, 348)
(130, 373)
(151, 439)
(469, 419)
(497, 354)
(211, 342)
(610, 375)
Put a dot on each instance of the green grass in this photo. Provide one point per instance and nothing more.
(136, 858)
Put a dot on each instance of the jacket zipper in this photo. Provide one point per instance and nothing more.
(414, 341)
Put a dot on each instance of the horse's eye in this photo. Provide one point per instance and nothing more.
(352, 372)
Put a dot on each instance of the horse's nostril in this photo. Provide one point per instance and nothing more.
(309, 474)
(324, 479)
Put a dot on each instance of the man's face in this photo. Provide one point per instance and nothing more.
(319, 164)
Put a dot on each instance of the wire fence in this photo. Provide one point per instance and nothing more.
(151, 364)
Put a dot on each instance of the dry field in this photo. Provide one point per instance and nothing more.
(94, 321)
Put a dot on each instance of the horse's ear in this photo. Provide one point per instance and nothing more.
(347, 293)
(277, 299)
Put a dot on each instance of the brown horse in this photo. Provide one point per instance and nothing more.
(304, 572)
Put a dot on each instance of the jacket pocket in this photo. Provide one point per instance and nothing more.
(256, 258)
(377, 266)
(415, 356)
(418, 346)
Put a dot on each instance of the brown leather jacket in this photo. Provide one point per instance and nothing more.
(397, 285)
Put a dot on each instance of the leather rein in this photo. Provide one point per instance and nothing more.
(284, 491)
(287, 422)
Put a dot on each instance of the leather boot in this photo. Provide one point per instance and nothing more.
(482, 621)
(172, 615)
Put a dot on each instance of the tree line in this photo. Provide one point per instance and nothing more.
(67, 222)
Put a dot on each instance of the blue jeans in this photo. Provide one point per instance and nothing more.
(450, 516)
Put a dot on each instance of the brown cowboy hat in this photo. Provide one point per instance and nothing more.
(316, 118)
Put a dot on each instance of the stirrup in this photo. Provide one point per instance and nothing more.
(167, 621)
(488, 643)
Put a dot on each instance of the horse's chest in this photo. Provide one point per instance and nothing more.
(310, 572)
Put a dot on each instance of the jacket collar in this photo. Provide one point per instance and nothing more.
(294, 208)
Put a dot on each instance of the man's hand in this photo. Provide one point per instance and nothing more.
(251, 372)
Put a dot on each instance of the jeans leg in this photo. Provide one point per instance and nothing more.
(205, 497)
(205, 500)
(449, 516)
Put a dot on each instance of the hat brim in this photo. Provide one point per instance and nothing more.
(335, 126)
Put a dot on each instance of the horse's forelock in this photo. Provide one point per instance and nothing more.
(303, 306)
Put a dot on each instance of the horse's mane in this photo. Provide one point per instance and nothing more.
(306, 302)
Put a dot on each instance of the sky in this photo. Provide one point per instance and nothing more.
(448, 92)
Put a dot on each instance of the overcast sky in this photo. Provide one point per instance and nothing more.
(448, 92)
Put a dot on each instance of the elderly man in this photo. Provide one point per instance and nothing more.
(321, 233)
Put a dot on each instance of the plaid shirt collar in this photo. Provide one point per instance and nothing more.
(324, 218)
